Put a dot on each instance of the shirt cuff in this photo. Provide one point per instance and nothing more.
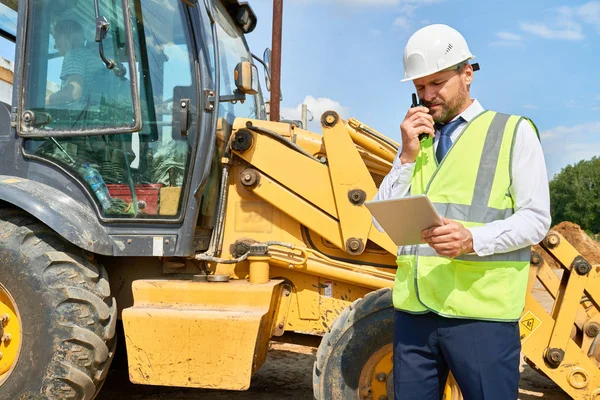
(406, 173)
(483, 240)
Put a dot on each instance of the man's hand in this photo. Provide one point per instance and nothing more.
(450, 240)
(417, 121)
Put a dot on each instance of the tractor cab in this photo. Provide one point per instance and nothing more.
(121, 106)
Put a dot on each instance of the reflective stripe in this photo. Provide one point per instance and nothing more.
(407, 250)
(425, 250)
(487, 168)
(462, 212)
(523, 254)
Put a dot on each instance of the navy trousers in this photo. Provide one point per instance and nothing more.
(483, 357)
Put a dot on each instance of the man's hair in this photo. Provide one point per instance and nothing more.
(69, 28)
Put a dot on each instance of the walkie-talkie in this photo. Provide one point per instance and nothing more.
(422, 136)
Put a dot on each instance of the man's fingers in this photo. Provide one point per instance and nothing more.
(437, 231)
(426, 118)
(414, 110)
(448, 238)
(417, 130)
(446, 249)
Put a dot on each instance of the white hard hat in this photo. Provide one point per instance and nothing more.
(432, 49)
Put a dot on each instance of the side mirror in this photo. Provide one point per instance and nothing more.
(246, 77)
(267, 61)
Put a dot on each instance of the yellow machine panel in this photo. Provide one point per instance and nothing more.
(199, 334)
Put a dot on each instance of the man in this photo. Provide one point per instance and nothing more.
(79, 63)
(458, 296)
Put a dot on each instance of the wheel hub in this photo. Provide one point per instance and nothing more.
(10, 333)
(376, 378)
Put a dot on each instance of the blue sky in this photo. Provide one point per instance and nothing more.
(538, 58)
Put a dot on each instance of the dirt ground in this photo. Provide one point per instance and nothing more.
(588, 248)
(287, 372)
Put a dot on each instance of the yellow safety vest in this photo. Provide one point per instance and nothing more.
(471, 186)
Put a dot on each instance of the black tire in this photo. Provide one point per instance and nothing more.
(357, 334)
(66, 313)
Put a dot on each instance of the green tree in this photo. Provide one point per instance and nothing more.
(575, 195)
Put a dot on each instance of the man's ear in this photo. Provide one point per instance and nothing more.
(468, 74)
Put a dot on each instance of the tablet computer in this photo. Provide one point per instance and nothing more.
(403, 219)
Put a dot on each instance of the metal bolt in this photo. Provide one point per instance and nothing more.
(183, 104)
(354, 245)
(281, 325)
(581, 266)
(250, 178)
(536, 258)
(5, 318)
(381, 377)
(592, 329)
(166, 241)
(7, 337)
(27, 116)
(552, 240)
(554, 357)
(330, 119)
(128, 241)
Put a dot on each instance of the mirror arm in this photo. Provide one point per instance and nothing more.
(230, 98)
(263, 64)
(102, 26)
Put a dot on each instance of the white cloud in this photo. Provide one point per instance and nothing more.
(530, 106)
(567, 132)
(507, 43)
(571, 103)
(316, 107)
(509, 36)
(401, 23)
(407, 12)
(564, 145)
(543, 31)
(566, 22)
(590, 13)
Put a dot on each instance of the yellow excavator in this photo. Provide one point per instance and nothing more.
(142, 186)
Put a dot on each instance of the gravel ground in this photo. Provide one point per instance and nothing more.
(286, 374)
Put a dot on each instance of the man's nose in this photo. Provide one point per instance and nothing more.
(429, 93)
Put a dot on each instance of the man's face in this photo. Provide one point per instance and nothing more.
(62, 44)
(445, 93)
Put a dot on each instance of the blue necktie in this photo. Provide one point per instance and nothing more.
(445, 132)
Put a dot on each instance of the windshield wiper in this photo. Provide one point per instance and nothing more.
(102, 26)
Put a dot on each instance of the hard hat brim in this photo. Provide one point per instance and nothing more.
(412, 78)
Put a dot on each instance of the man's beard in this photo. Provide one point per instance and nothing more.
(450, 109)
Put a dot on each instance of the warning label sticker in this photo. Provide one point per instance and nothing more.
(528, 324)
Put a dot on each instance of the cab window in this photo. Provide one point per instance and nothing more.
(144, 171)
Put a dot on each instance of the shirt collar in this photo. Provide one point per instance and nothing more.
(471, 112)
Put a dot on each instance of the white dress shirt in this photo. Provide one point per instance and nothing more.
(529, 189)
